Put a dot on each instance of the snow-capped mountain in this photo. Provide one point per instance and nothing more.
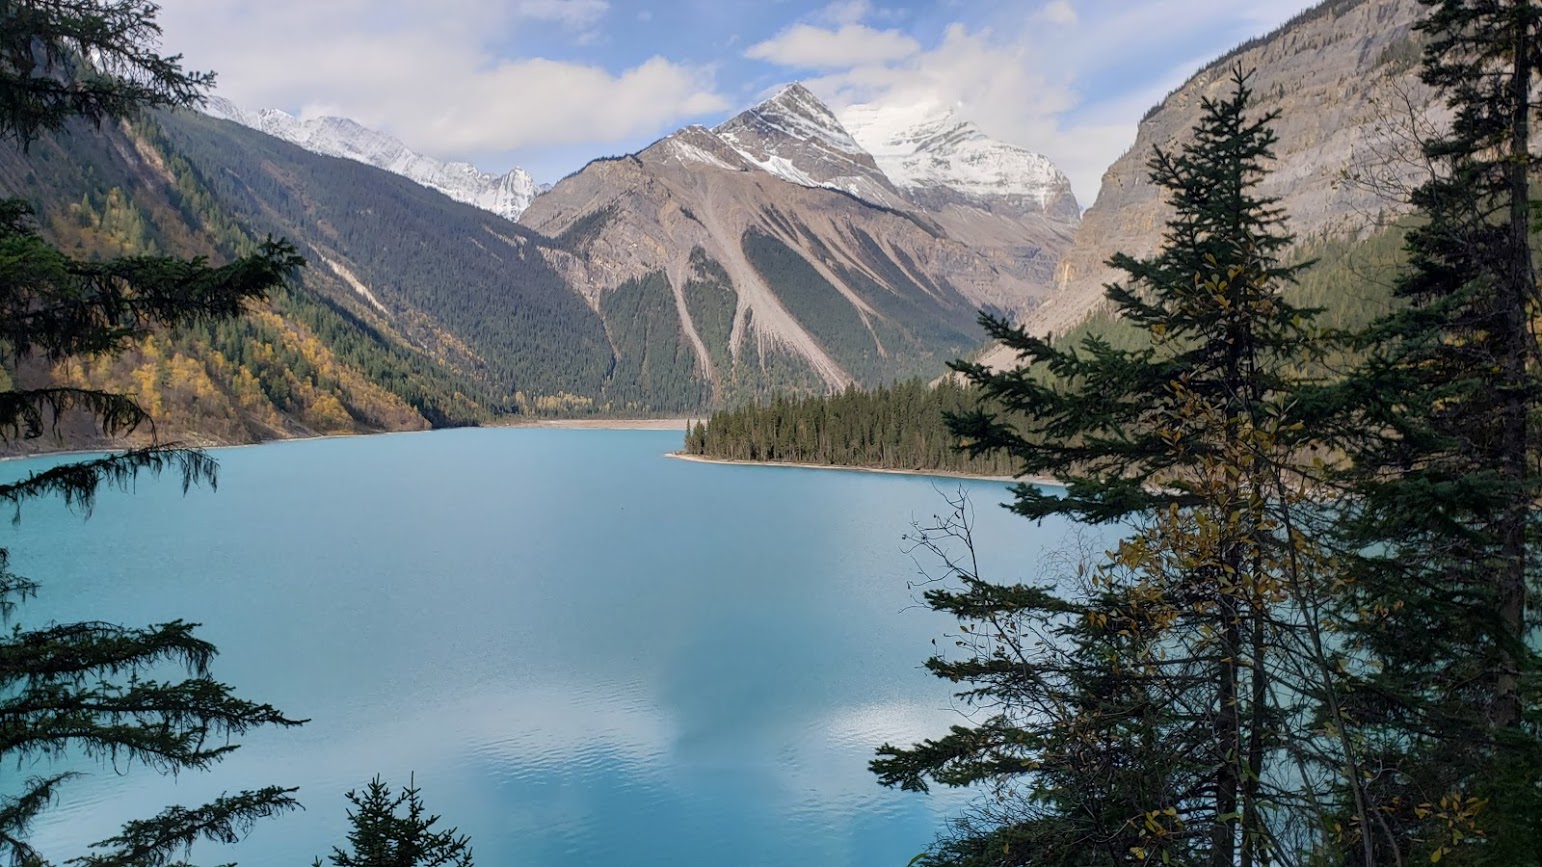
(907, 156)
(506, 195)
(796, 137)
(938, 159)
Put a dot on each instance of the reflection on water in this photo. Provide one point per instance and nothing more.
(585, 653)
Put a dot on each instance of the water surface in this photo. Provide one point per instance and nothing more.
(585, 652)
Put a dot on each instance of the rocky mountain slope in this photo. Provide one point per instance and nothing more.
(826, 271)
(773, 253)
(1343, 77)
(799, 139)
(690, 275)
(506, 195)
(1002, 198)
(790, 248)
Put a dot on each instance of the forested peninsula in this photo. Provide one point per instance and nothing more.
(900, 427)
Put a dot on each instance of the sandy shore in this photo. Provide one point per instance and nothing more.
(939, 474)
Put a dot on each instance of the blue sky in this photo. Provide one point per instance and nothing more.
(550, 84)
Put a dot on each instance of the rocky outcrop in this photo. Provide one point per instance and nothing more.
(1343, 77)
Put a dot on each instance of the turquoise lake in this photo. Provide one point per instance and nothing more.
(585, 652)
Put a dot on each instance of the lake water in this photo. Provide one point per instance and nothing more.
(585, 652)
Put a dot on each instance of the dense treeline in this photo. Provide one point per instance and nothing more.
(899, 427)
(655, 367)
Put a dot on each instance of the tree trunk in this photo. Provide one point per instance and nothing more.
(1516, 290)
(1228, 730)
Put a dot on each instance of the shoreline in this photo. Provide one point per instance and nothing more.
(679, 424)
(656, 424)
(936, 474)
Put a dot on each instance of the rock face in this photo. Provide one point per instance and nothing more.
(506, 195)
(836, 272)
(799, 139)
(816, 283)
(1343, 76)
(1007, 201)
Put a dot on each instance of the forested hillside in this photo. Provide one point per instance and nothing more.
(299, 364)
(467, 285)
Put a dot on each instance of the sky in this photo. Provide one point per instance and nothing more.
(550, 84)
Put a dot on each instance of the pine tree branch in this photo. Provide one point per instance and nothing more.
(155, 842)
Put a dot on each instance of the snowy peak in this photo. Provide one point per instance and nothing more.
(904, 156)
(506, 195)
(796, 137)
(795, 113)
(696, 146)
(938, 158)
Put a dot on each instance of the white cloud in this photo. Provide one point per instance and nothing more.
(573, 14)
(1059, 12)
(805, 46)
(843, 12)
(431, 71)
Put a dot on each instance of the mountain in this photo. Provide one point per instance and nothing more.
(785, 257)
(940, 161)
(1343, 76)
(1003, 199)
(303, 363)
(790, 249)
(464, 286)
(798, 138)
(506, 195)
(693, 277)
(1007, 203)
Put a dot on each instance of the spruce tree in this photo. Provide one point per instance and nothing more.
(394, 829)
(1439, 506)
(93, 688)
(1141, 710)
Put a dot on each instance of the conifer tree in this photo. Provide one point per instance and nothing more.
(1439, 508)
(395, 830)
(1137, 715)
(92, 688)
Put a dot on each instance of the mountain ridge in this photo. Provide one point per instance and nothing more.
(506, 195)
